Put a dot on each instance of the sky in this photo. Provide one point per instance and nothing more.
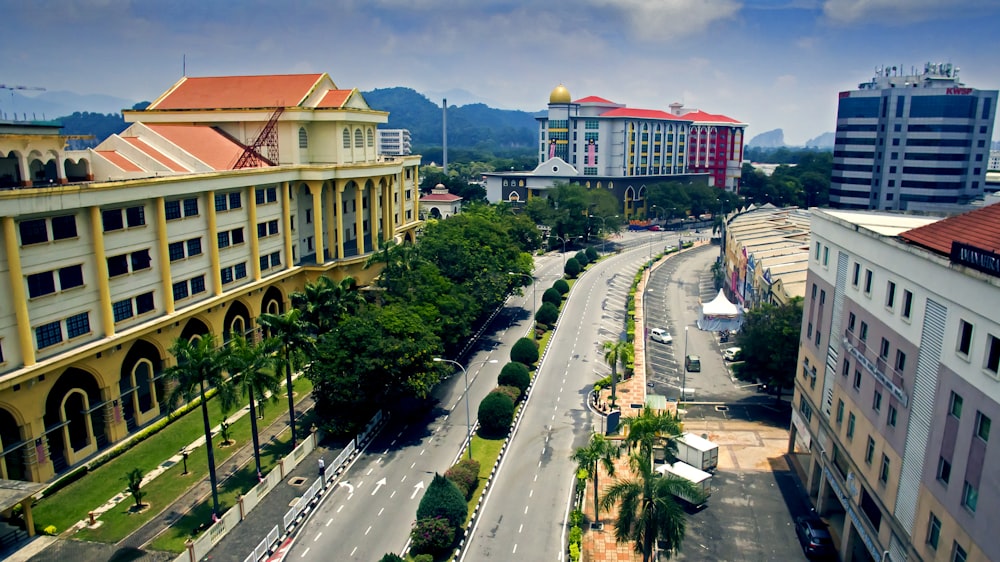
(768, 63)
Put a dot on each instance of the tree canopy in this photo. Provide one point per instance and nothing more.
(769, 340)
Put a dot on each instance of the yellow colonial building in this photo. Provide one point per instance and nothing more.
(218, 201)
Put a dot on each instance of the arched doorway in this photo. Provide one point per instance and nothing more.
(74, 419)
(140, 385)
(237, 322)
(194, 328)
(77, 171)
(10, 171)
(13, 464)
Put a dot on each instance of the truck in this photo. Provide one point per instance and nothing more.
(701, 479)
(697, 451)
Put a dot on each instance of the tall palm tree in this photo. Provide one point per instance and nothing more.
(599, 451)
(324, 302)
(293, 335)
(651, 427)
(615, 353)
(253, 367)
(648, 510)
(200, 365)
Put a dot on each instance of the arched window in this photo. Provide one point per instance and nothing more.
(371, 138)
(238, 327)
(142, 381)
(273, 307)
(359, 139)
(303, 138)
(347, 138)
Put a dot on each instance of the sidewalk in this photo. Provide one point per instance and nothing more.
(47, 549)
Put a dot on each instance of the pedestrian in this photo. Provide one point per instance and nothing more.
(322, 468)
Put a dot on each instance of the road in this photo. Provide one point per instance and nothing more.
(375, 503)
(524, 514)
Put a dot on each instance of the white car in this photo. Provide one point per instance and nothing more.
(660, 335)
(731, 353)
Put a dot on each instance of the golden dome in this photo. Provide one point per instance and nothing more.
(560, 95)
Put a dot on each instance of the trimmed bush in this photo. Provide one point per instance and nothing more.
(581, 257)
(392, 557)
(515, 374)
(431, 535)
(423, 558)
(512, 391)
(572, 268)
(496, 412)
(552, 296)
(561, 285)
(547, 314)
(524, 351)
(592, 254)
(443, 499)
(465, 475)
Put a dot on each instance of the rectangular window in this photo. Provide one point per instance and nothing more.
(144, 303)
(63, 227)
(982, 426)
(868, 281)
(112, 220)
(259, 195)
(135, 216)
(140, 260)
(237, 236)
(194, 247)
(863, 335)
(883, 350)
(272, 227)
(883, 473)
(41, 284)
(261, 229)
(264, 263)
(890, 295)
(48, 335)
(272, 194)
(180, 290)
(964, 337)
(970, 496)
(900, 361)
(851, 320)
(198, 285)
(907, 303)
(826, 256)
(220, 201)
(877, 402)
(870, 450)
(70, 277)
(235, 200)
(857, 379)
(190, 207)
(846, 368)
(172, 210)
(227, 275)
(955, 406)
(816, 257)
(958, 553)
(992, 354)
(856, 276)
(892, 416)
(122, 310)
(117, 265)
(850, 426)
(275, 259)
(944, 470)
(33, 231)
(176, 251)
(933, 531)
(240, 270)
(78, 325)
(840, 411)
(223, 238)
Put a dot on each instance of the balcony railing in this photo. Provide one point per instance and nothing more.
(876, 366)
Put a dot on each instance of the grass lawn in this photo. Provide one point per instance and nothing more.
(72, 503)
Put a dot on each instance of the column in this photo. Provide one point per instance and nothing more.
(286, 223)
(415, 201)
(113, 420)
(18, 298)
(316, 188)
(373, 207)
(359, 212)
(213, 243)
(163, 248)
(388, 221)
(61, 168)
(101, 262)
(338, 202)
(251, 198)
(22, 163)
(331, 233)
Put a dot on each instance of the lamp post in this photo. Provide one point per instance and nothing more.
(184, 458)
(534, 296)
(685, 371)
(468, 414)
(563, 240)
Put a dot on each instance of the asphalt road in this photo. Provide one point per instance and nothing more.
(375, 503)
(524, 515)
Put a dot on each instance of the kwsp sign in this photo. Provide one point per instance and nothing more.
(959, 91)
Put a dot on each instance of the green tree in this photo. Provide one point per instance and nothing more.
(443, 499)
(618, 352)
(295, 338)
(598, 452)
(769, 339)
(324, 302)
(496, 412)
(253, 367)
(134, 479)
(547, 314)
(581, 258)
(200, 366)
(465, 475)
(553, 296)
(648, 510)
(525, 351)
(515, 374)
(572, 268)
(391, 557)
(650, 428)
(431, 535)
(561, 285)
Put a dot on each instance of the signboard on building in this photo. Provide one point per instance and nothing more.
(979, 259)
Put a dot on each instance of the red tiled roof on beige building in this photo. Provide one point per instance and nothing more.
(238, 92)
(979, 228)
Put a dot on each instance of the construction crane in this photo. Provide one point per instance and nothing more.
(13, 87)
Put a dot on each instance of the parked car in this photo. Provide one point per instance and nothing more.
(660, 335)
(732, 353)
(692, 363)
(655, 228)
(815, 537)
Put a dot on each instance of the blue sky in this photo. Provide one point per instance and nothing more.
(769, 63)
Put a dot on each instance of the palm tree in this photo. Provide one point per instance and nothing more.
(599, 451)
(293, 335)
(254, 368)
(324, 302)
(200, 364)
(648, 510)
(651, 427)
(615, 353)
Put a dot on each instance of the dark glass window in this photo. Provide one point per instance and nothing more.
(240, 270)
(275, 259)
(237, 236)
(70, 277)
(180, 290)
(144, 303)
(960, 107)
(857, 107)
(112, 220)
(194, 247)
(48, 334)
(259, 196)
(135, 216)
(122, 310)
(220, 201)
(235, 200)
(190, 207)
(261, 230)
(140, 260)
(986, 109)
(198, 285)
(172, 210)
(78, 325)
(223, 238)
(117, 265)
(272, 227)
(33, 232)
(176, 251)
(63, 227)
(227, 275)
(41, 284)
(264, 261)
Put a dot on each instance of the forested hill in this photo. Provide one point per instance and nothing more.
(469, 126)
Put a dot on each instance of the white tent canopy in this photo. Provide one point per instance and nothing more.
(720, 314)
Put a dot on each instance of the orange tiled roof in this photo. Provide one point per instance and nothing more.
(979, 228)
(155, 154)
(119, 160)
(238, 92)
(442, 197)
(701, 116)
(204, 143)
(641, 114)
(593, 99)
(335, 98)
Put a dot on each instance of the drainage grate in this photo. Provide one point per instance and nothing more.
(297, 481)
(722, 408)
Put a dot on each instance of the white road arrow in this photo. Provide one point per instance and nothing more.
(416, 489)
(378, 485)
(350, 489)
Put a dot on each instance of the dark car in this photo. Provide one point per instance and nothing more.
(815, 538)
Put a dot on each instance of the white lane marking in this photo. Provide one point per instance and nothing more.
(392, 495)
(422, 452)
(368, 530)
(353, 551)
(318, 535)
(531, 492)
(330, 521)
(403, 479)
(519, 527)
(536, 478)
(414, 464)
(304, 552)
(339, 508)
(515, 550)
(525, 510)
(369, 473)
(380, 512)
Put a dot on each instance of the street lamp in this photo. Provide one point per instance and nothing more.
(534, 296)
(468, 414)
(563, 240)
(685, 371)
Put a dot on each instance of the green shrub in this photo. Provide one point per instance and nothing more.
(573, 268)
(50, 530)
(581, 257)
(391, 557)
(496, 412)
(524, 351)
(443, 499)
(465, 475)
(431, 535)
(547, 314)
(423, 558)
(575, 535)
(604, 383)
(592, 254)
(576, 518)
(515, 374)
(561, 285)
(512, 391)
(574, 552)
(552, 296)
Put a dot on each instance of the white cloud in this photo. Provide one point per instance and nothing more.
(670, 20)
(897, 12)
